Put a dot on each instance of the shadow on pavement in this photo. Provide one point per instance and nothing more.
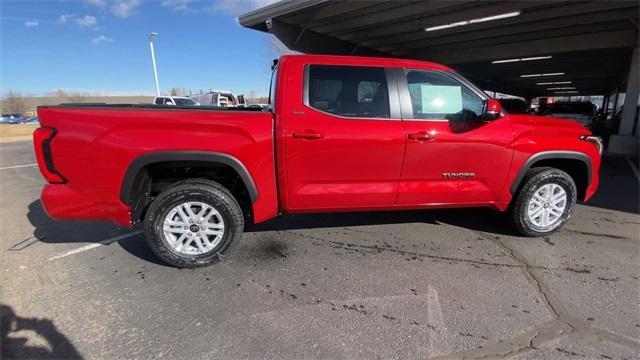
(14, 344)
(476, 219)
(52, 231)
(619, 188)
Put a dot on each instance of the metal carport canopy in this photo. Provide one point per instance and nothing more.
(589, 41)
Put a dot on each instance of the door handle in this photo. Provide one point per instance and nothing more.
(307, 134)
(422, 136)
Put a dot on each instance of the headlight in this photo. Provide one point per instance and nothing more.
(595, 140)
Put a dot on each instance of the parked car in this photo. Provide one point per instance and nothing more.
(11, 119)
(31, 121)
(515, 106)
(174, 101)
(347, 134)
(259, 106)
(583, 112)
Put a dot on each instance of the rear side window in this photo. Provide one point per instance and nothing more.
(349, 91)
(438, 96)
(159, 101)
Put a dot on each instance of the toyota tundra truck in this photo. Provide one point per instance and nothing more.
(342, 134)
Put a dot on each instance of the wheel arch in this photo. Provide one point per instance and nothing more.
(576, 164)
(135, 188)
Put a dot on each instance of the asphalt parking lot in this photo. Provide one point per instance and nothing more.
(406, 285)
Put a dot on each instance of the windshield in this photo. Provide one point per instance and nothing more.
(184, 102)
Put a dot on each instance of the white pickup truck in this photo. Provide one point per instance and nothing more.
(175, 101)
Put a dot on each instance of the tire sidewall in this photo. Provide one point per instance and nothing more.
(160, 208)
(540, 179)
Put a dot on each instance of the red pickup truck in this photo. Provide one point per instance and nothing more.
(344, 134)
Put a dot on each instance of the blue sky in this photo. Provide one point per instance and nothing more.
(101, 46)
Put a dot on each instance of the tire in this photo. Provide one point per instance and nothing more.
(527, 215)
(220, 222)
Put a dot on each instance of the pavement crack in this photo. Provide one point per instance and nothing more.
(380, 249)
(543, 292)
(589, 233)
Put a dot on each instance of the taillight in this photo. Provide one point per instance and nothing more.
(42, 142)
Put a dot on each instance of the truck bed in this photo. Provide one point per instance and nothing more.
(95, 144)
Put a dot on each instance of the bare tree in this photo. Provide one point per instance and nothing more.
(251, 97)
(71, 96)
(178, 92)
(14, 102)
(77, 97)
(60, 93)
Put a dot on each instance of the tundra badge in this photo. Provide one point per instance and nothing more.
(459, 175)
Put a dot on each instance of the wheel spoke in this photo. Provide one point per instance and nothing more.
(203, 210)
(199, 244)
(205, 238)
(559, 198)
(174, 223)
(189, 211)
(213, 232)
(183, 216)
(210, 214)
(556, 214)
(536, 213)
(179, 244)
(545, 218)
(176, 230)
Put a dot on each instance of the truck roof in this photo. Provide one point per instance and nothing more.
(369, 60)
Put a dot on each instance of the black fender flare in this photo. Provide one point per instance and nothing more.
(178, 156)
(545, 155)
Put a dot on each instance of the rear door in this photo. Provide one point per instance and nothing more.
(452, 155)
(344, 138)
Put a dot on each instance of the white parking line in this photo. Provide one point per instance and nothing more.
(17, 166)
(438, 330)
(634, 168)
(91, 246)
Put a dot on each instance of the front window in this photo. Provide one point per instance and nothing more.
(349, 91)
(438, 96)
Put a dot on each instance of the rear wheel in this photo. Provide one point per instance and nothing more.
(544, 203)
(193, 223)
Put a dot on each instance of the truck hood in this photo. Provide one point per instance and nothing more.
(548, 121)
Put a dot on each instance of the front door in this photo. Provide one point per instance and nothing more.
(344, 142)
(452, 155)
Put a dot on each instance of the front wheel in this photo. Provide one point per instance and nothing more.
(544, 203)
(193, 223)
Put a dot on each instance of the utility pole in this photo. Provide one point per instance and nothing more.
(153, 61)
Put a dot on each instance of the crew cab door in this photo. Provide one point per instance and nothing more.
(344, 138)
(452, 155)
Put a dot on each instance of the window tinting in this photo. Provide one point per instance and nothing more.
(350, 91)
(438, 96)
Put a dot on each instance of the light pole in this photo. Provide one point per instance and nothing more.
(153, 61)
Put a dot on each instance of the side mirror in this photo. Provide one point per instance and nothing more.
(492, 110)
